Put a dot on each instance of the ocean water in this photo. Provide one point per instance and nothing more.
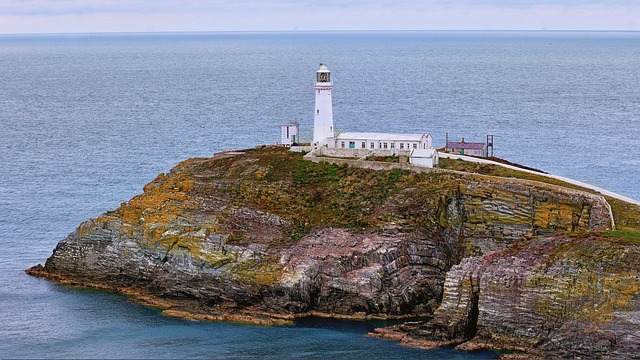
(87, 120)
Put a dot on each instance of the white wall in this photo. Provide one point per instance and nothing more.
(379, 144)
(323, 115)
(357, 153)
(292, 134)
(428, 162)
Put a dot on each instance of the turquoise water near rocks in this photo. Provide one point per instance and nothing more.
(87, 120)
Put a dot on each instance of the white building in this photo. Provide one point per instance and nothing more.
(424, 157)
(363, 143)
(383, 141)
(323, 120)
(289, 133)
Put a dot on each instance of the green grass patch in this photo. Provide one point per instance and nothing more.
(310, 195)
(627, 216)
(500, 171)
(624, 236)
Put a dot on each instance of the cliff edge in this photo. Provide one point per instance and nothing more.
(265, 236)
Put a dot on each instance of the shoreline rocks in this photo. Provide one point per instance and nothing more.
(266, 237)
(560, 296)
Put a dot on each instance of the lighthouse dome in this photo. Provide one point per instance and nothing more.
(323, 75)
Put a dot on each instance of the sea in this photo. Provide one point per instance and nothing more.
(87, 119)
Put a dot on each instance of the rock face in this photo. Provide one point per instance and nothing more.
(331, 271)
(496, 213)
(560, 296)
(264, 235)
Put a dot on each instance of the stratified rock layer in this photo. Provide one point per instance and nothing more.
(552, 296)
(263, 235)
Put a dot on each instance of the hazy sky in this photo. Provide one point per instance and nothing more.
(46, 16)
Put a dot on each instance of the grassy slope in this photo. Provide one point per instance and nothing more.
(305, 195)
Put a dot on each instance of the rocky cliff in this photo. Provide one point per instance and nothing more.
(263, 235)
(561, 296)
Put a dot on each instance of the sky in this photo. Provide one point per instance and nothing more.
(81, 16)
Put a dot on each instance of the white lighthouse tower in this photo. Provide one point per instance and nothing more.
(323, 121)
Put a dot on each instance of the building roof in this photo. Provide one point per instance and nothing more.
(323, 68)
(380, 136)
(465, 145)
(295, 123)
(423, 153)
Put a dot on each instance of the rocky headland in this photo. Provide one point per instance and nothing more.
(489, 260)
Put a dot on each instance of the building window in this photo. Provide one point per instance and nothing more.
(373, 145)
(287, 132)
(318, 111)
(415, 146)
(352, 144)
(401, 146)
(384, 145)
(393, 145)
(342, 144)
(364, 144)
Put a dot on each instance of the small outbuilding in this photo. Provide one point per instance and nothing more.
(289, 133)
(467, 148)
(424, 157)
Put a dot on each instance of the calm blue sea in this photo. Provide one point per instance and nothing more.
(87, 120)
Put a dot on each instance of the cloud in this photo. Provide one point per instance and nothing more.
(62, 7)
(18, 16)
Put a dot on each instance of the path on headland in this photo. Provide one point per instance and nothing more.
(561, 178)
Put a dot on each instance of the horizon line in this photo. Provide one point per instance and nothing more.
(293, 31)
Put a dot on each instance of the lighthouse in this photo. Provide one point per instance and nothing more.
(323, 120)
